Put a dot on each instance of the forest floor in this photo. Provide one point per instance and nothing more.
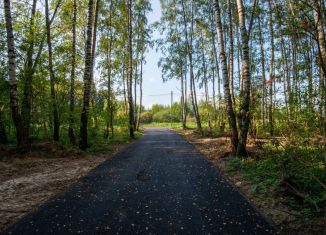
(28, 180)
(271, 201)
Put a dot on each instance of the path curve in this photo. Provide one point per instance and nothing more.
(158, 185)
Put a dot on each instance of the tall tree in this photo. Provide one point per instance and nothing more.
(87, 77)
(263, 71)
(140, 108)
(71, 132)
(12, 74)
(226, 80)
(244, 106)
(231, 50)
(56, 123)
(130, 71)
(271, 70)
(189, 44)
(109, 60)
(29, 70)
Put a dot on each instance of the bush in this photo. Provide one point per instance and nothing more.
(146, 117)
(165, 116)
(297, 173)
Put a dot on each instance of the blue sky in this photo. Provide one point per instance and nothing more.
(153, 86)
(155, 91)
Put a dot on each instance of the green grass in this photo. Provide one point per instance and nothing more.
(172, 125)
(296, 173)
(98, 144)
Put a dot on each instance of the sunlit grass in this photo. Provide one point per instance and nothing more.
(296, 173)
(172, 124)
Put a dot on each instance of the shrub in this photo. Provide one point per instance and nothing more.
(165, 116)
(297, 173)
(146, 117)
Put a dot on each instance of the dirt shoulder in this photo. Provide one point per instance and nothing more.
(26, 183)
(217, 151)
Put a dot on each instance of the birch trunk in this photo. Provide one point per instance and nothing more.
(71, 132)
(190, 57)
(263, 72)
(225, 74)
(319, 21)
(206, 82)
(271, 71)
(231, 51)
(28, 78)
(130, 99)
(87, 78)
(14, 106)
(183, 113)
(244, 105)
(109, 73)
(217, 71)
(3, 132)
(55, 114)
(140, 91)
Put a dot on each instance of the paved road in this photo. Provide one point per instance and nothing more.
(158, 185)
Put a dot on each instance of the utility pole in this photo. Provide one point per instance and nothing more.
(171, 105)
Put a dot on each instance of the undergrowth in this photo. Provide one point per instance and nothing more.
(296, 173)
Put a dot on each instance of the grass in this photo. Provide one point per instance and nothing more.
(173, 124)
(296, 173)
(98, 144)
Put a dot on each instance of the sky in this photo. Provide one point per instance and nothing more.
(155, 91)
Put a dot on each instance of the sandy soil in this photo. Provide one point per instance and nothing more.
(217, 151)
(26, 183)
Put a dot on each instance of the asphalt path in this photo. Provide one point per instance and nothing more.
(159, 184)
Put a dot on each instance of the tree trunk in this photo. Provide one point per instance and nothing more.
(244, 105)
(140, 90)
(135, 91)
(130, 99)
(55, 117)
(16, 116)
(225, 74)
(239, 58)
(3, 133)
(109, 98)
(125, 87)
(28, 78)
(214, 96)
(271, 71)
(71, 132)
(185, 92)
(263, 72)
(217, 71)
(87, 78)
(319, 21)
(286, 82)
(190, 57)
(183, 105)
(231, 52)
(136, 76)
(322, 101)
(206, 82)
(97, 7)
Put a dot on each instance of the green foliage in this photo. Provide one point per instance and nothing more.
(102, 145)
(146, 117)
(161, 113)
(170, 124)
(165, 116)
(297, 173)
